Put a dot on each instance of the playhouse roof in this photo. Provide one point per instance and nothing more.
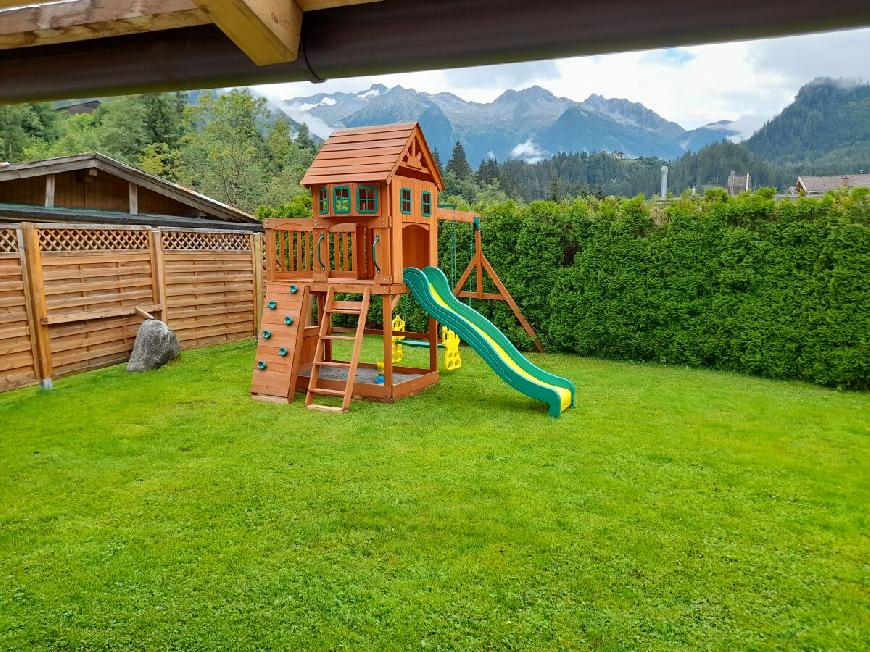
(373, 154)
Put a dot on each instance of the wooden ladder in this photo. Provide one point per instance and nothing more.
(331, 306)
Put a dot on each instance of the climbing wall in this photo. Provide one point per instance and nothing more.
(279, 340)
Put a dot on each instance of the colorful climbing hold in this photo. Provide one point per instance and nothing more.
(272, 305)
(288, 320)
(267, 335)
(293, 288)
(282, 352)
(261, 365)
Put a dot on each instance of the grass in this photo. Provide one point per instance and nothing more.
(672, 509)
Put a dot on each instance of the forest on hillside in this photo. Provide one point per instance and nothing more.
(228, 145)
(232, 147)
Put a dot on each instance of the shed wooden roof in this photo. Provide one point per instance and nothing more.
(373, 154)
(207, 205)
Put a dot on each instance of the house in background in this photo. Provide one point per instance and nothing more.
(95, 189)
(76, 108)
(807, 185)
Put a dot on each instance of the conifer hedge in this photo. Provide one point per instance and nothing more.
(774, 288)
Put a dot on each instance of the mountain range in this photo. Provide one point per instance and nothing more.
(528, 124)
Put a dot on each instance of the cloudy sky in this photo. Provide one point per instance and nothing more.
(749, 81)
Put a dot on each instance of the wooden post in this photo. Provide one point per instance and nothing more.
(49, 191)
(158, 270)
(478, 254)
(270, 245)
(28, 303)
(134, 198)
(387, 313)
(433, 344)
(39, 316)
(257, 262)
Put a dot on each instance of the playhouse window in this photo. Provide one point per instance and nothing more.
(426, 203)
(367, 199)
(405, 201)
(323, 200)
(341, 199)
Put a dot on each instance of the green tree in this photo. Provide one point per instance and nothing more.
(488, 171)
(23, 125)
(227, 157)
(458, 163)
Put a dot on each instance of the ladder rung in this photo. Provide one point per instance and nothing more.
(346, 311)
(337, 337)
(331, 363)
(323, 391)
(339, 305)
(324, 408)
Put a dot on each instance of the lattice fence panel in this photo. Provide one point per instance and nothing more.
(8, 241)
(199, 241)
(58, 240)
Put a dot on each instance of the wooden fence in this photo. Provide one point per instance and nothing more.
(69, 294)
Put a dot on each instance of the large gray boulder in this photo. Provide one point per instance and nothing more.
(155, 345)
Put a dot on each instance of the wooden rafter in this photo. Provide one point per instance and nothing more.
(43, 23)
(265, 30)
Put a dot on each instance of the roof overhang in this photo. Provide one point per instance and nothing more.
(117, 169)
(395, 36)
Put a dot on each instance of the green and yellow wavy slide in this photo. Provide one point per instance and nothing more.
(432, 291)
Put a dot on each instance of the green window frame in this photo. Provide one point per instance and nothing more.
(341, 200)
(323, 200)
(366, 199)
(426, 203)
(406, 202)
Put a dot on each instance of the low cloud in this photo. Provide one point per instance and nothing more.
(528, 151)
(802, 58)
(504, 76)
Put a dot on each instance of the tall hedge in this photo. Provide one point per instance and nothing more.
(774, 288)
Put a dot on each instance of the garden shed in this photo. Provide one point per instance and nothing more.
(86, 243)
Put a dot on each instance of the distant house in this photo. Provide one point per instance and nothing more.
(738, 183)
(88, 106)
(618, 155)
(821, 185)
(95, 189)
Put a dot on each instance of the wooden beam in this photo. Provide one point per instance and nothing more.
(513, 304)
(257, 263)
(43, 23)
(267, 31)
(316, 5)
(158, 268)
(133, 202)
(28, 302)
(36, 287)
(49, 190)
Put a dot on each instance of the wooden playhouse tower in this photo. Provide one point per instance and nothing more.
(375, 202)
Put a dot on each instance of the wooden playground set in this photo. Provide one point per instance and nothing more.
(374, 232)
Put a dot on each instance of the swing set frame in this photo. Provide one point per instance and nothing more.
(480, 265)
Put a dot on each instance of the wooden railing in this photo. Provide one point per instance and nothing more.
(296, 250)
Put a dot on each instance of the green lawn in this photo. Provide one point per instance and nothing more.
(671, 509)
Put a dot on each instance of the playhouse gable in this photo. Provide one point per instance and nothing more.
(373, 154)
(417, 161)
